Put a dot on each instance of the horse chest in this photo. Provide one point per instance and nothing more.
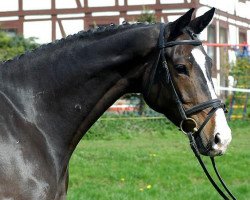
(26, 168)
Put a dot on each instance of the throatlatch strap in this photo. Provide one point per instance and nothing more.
(159, 56)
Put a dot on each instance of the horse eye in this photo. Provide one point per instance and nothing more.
(181, 69)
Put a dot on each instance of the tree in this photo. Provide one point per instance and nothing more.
(11, 46)
(241, 72)
(147, 16)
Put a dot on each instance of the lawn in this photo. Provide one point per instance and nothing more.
(152, 160)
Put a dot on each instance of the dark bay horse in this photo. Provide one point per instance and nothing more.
(51, 96)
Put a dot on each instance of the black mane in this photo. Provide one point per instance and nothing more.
(89, 35)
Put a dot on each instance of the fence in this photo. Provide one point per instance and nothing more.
(233, 74)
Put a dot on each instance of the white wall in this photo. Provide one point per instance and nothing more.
(36, 29)
(10, 5)
(36, 4)
(230, 6)
(66, 4)
(100, 3)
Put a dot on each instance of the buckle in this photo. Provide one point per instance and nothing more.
(188, 125)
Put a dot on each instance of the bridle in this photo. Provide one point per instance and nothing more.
(188, 125)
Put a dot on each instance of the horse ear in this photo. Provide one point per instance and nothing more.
(176, 27)
(198, 24)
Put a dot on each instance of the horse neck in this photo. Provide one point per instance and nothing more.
(64, 89)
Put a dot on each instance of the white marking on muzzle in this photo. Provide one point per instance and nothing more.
(221, 129)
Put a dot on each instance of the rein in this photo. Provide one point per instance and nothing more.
(188, 125)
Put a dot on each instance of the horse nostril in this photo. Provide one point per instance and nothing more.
(217, 139)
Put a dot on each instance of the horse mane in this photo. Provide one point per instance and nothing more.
(91, 34)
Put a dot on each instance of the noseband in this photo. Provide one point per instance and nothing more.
(186, 122)
(188, 125)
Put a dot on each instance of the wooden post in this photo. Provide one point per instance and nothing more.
(21, 17)
(53, 20)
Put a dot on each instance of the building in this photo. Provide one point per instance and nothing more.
(49, 20)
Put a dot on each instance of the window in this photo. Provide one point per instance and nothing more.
(223, 38)
(242, 37)
(223, 35)
(211, 51)
(243, 40)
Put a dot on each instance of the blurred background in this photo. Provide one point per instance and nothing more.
(133, 152)
(226, 39)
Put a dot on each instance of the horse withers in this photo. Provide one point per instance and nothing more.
(51, 96)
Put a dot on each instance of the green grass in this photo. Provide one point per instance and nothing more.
(151, 160)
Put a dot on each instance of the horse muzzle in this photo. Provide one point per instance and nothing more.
(212, 146)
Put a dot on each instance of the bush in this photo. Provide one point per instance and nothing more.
(13, 46)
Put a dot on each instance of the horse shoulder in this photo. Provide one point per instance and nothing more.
(26, 167)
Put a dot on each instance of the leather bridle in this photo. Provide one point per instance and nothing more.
(188, 125)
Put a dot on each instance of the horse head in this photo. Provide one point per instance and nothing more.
(182, 88)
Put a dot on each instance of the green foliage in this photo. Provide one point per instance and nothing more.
(146, 16)
(13, 46)
(132, 127)
(241, 68)
(154, 163)
(241, 74)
